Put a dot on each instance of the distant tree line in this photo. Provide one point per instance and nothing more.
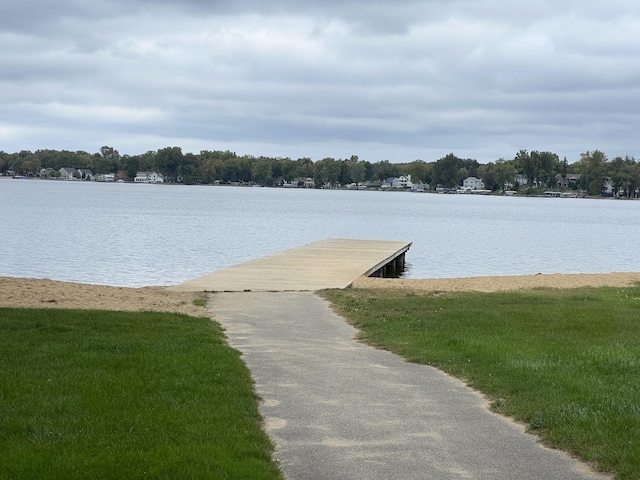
(534, 169)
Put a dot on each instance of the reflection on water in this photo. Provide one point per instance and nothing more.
(135, 235)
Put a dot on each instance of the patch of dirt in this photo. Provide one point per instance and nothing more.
(44, 293)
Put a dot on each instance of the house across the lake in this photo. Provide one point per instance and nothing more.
(472, 183)
(85, 174)
(105, 177)
(401, 182)
(148, 177)
(67, 173)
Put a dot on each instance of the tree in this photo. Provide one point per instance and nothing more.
(593, 167)
(4, 162)
(305, 166)
(385, 169)
(446, 171)
(189, 168)
(139, 163)
(625, 176)
(230, 170)
(618, 175)
(244, 168)
(109, 152)
(420, 171)
(548, 165)
(356, 170)
(211, 170)
(132, 166)
(261, 171)
(488, 175)
(505, 174)
(471, 166)
(105, 164)
(31, 165)
(168, 160)
(632, 172)
(327, 171)
(290, 170)
(528, 165)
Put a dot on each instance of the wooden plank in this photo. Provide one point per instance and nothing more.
(330, 263)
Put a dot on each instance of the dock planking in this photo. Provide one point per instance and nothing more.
(330, 263)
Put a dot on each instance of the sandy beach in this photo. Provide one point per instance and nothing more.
(493, 284)
(43, 293)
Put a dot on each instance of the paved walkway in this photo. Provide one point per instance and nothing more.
(338, 409)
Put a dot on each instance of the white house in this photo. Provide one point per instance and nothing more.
(403, 181)
(105, 177)
(607, 188)
(67, 173)
(148, 177)
(472, 183)
(421, 187)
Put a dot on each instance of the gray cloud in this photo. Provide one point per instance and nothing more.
(396, 80)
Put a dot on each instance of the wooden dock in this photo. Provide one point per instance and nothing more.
(331, 263)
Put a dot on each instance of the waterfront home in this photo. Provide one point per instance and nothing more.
(607, 188)
(105, 177)
(472, 183)
(149, 177)
(85, 174)
(568, 180)
(45, 172)
(421, 187)
(67, 173)
(401, 182)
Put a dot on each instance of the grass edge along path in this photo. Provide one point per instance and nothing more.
(564, 362)
(111, 395)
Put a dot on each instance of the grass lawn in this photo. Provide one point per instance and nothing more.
(566, 362)
(113, 395)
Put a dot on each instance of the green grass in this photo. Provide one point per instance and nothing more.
(565, 362)
(113, 395)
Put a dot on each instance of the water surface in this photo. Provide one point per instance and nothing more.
(136, 234)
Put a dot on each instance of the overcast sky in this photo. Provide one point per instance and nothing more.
(388, 79)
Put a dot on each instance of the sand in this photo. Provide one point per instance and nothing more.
(36, 293)
(33, 293)
(493, 284)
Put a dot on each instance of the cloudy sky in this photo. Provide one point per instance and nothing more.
(382, 79)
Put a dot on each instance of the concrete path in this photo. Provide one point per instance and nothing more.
(338, 409)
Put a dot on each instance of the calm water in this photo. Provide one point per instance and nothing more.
(136, 235)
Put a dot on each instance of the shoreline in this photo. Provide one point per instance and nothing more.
(502, 283)
(46, 293)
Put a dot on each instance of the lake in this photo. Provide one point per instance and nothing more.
(136, 234)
